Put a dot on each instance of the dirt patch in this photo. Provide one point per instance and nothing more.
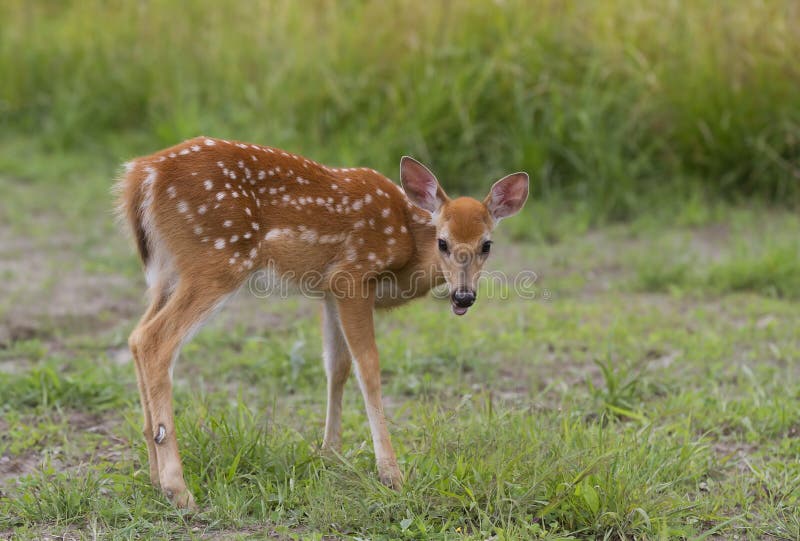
(47, 292)
(708, 241)
(734, 452)
(12, 467)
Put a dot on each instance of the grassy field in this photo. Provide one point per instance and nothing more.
(648, 391)
(618, 104)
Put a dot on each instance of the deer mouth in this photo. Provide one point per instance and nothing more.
(459, 310)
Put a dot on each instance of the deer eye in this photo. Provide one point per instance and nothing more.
(443, 246)
(487, 247)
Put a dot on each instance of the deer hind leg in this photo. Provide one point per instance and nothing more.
(160, 296)
(156, 344)
(337, 367)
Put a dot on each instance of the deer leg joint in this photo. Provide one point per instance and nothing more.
(160, 435)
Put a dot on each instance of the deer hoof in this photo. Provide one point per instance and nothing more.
(181, 498)
(391, 477)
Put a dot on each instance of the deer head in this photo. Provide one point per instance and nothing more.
(463, 225)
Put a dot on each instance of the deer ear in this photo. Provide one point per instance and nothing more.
(507, 196)
(421, 185)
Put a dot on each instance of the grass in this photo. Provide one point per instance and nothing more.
(765, 261)
(646, 391)
(617, 105)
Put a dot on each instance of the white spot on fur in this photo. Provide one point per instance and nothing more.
(309, 235)
(219, 244)
(277, 233)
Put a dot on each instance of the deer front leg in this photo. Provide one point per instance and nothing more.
(337, 367)
(355, 315)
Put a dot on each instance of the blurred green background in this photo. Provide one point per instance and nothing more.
(617, 105)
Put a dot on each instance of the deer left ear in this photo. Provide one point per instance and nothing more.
(507, 196)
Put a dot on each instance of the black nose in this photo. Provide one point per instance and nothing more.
(463, 298)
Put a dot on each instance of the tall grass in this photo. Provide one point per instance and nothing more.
(601, 101)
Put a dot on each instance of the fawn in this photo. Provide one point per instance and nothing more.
(208, 213)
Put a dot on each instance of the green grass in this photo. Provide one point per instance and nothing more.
(759, 257)
(494, 435)
(604, 103)
(648, 391)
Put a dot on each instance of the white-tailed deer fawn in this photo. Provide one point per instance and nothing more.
(208, 213)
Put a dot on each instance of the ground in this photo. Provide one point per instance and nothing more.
(646, 387)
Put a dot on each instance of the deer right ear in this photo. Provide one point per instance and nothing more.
(421, 185)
